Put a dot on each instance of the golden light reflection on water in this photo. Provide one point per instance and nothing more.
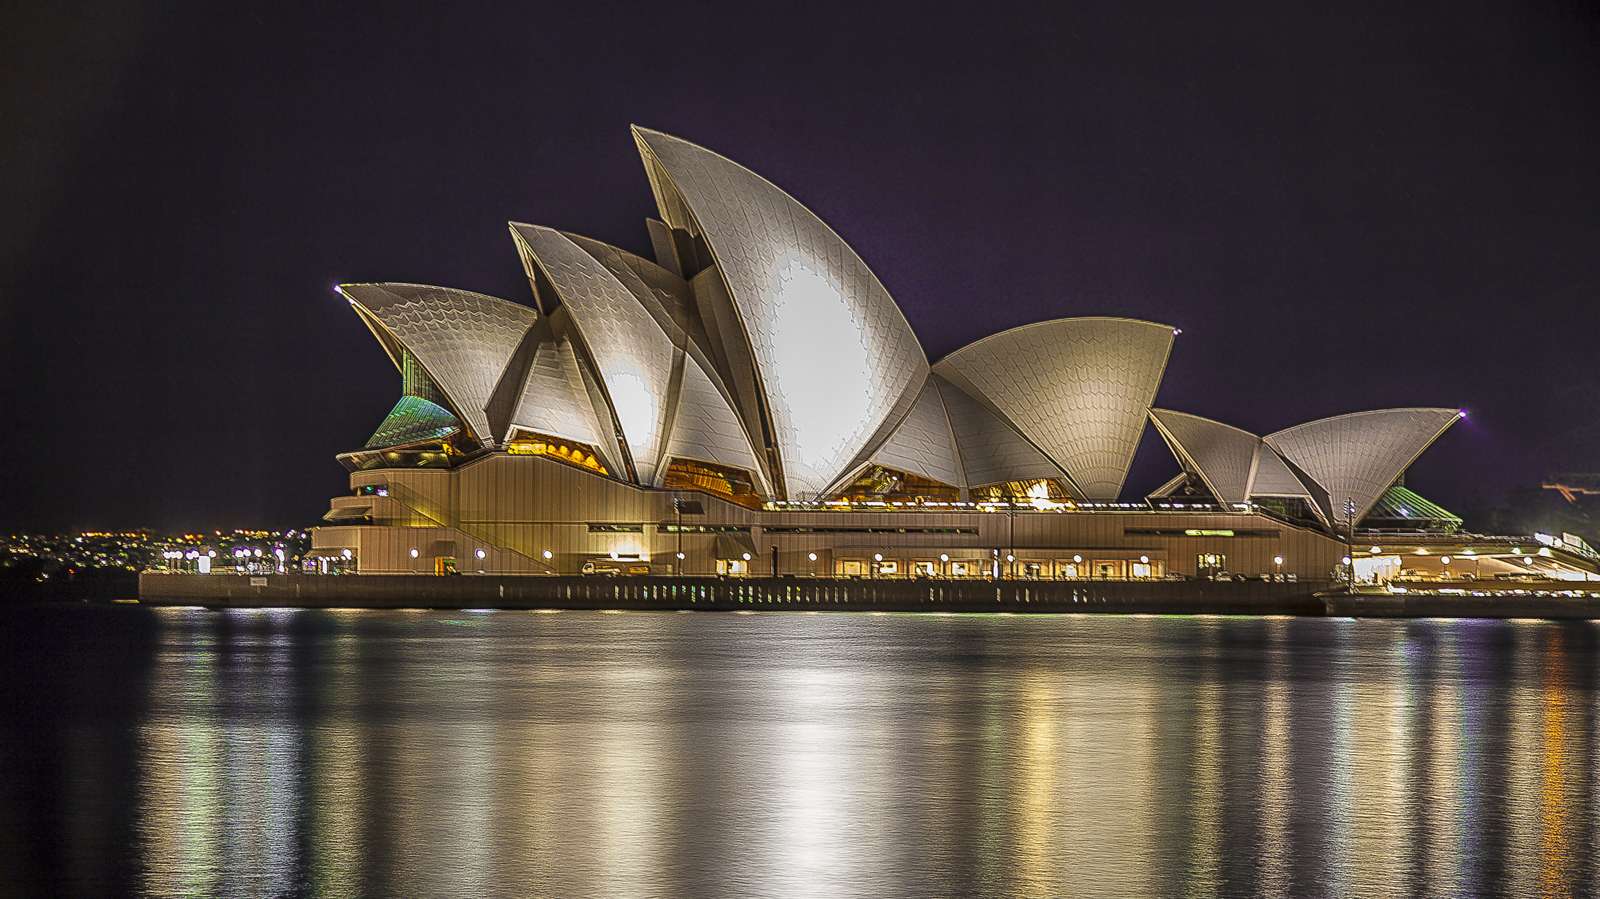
(181, 809)
(1276, 776)
(338, 756)
(457, 754)
(1555, 823)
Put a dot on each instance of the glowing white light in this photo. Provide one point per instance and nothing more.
(614, 554)
(1075, 559)
(746, 556)
(546, 554)
(1277, 560)
(413, 552)
(823, 393)
(346, 554)
(877, 557)
(811, 556)
(1375, 550)
(211, 553)
(680, 556)
(1010, 557)
(1144, 560)
(1444, 560)
(1345, 561)
(635, 406)
(480, 554)
(944, 557)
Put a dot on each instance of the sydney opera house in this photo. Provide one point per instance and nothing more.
(753, 402)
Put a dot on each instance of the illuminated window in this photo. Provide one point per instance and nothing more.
(578, 455)
(731, 484)
(889, 485)
(1045, 489)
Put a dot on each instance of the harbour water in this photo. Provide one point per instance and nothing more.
(185, 752)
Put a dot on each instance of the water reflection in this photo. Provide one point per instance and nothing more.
(343, 754)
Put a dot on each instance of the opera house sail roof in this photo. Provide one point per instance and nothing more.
(760, 353)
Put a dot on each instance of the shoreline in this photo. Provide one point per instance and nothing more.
(644, 593)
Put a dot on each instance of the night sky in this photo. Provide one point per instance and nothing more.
(1343, 208)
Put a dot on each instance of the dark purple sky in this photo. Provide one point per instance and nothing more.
(1343, 208)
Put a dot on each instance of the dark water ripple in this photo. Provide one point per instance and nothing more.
(194, 753)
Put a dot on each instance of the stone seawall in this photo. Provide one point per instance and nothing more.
(668, 593)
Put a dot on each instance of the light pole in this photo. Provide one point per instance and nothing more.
(1350, 542)
(1011, 537)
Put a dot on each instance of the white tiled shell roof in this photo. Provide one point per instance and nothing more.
(705, 427)
(1273, 478)
(553, 400)
(462, 339)
(1360, 455)
(834, 353)
(1079, 388)
(922, 444)
(1223, 454)
(631, 353)
(991, 450)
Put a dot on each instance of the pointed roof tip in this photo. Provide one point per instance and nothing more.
(1157, 412)
(519, 227)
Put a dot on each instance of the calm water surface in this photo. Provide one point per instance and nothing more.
(193, 753)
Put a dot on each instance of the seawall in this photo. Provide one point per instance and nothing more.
(376, 591)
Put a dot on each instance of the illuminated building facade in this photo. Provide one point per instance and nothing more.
(752, 401)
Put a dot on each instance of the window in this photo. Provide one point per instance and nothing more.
(878, 483)
(1109, 569)
(732, 484)
(527, 443)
